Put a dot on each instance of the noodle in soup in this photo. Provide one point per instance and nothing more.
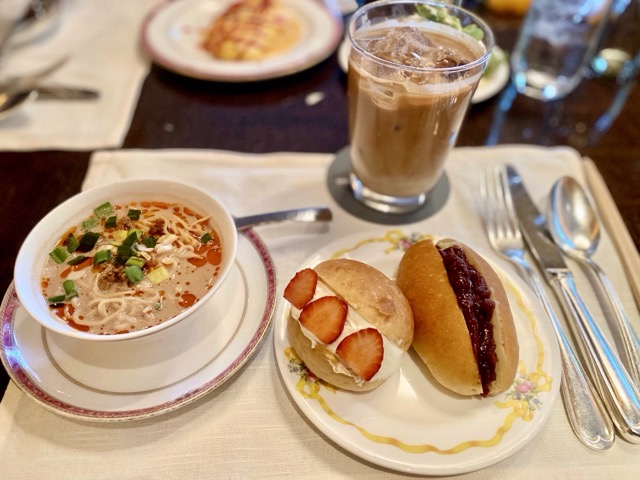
(132, 266)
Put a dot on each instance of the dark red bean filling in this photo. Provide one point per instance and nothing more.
(473, 295)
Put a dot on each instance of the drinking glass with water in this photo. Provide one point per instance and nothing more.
(557, 41)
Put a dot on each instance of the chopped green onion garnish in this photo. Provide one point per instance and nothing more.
(103, 210)
(77, 260)
(149, 242)
(134, 214)
(57, 299)
(88, 241)
(72, 243)
(135, 261)
(123, 254)
(131, 238)
(59, 254)
(126, 250)
(89, 223)
(133, 273)
(69, 288)
(205, 238)
(110, 222)
(137, 231)
(101, 256)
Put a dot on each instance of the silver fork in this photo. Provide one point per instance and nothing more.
(585, 410)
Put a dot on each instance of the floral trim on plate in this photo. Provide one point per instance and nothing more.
(497, 426)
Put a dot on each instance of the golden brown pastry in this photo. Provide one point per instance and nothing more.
(252, 30)
(464, 329)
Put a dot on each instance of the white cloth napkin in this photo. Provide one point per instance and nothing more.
(249, 427)
(101, 41)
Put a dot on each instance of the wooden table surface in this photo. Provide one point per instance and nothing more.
(178, 112)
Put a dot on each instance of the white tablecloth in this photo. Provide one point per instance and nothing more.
(102, 43)
(249, 427)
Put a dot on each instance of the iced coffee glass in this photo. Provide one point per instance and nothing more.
(413, 68)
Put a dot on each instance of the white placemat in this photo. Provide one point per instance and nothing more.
(250, 428)
(101, 41)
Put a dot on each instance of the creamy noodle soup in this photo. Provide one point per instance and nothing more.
(132, 266)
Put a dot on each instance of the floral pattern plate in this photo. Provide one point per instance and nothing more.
(147, 376)
(409, 423)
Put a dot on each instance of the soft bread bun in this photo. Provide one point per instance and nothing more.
(441, 337)
(373, 295)
(376, 298)
(317, 360)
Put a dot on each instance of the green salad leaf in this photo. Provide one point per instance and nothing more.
(496, 58)
(441, 15)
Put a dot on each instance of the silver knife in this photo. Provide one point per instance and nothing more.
(585, 409)
(617, 391)
(66, 93)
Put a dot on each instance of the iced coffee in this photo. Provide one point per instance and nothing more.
(410, 79)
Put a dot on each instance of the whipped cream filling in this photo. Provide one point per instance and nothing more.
(392, 353)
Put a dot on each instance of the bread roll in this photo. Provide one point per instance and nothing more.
(378, 326)
(442, 338)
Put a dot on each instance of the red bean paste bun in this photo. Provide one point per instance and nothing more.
(464, 329)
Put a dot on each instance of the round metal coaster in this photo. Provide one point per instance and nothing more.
(338, 183)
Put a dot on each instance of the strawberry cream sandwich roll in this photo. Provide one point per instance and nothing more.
(349, 323)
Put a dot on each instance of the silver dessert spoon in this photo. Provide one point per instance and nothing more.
(574, 227)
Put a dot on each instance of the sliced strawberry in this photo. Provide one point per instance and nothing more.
(362, 352)
(301, 288)
(325, 318)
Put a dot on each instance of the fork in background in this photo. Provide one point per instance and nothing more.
(585, 410)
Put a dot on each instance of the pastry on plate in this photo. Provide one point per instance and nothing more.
(349, 323)
(252, 30)
(464, 329)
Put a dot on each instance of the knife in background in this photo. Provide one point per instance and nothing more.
(617, 391)
(66, 93)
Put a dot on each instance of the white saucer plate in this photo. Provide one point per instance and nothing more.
(489, 85)
(172, 36)
(149, 376)
(409, 423)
